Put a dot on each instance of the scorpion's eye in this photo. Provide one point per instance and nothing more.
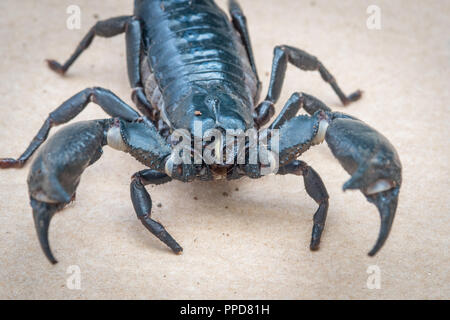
(212, 101)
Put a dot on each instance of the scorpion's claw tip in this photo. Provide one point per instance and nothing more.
(55, 66)
(386, 203)
(43, 213)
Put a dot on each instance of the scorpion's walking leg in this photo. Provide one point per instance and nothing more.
(134, 50)
(263, 113)
(142, 203)
(107, 100)
(316, 190)
(304, 61)
(240, 23)
(110, 28)
(294, 104)
(106, 29)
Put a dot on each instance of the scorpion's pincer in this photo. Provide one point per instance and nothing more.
(374, 166)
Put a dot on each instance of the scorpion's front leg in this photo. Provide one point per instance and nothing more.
(363, 152)
(107, 100)
(240, 24)
(144, 143)
(142, 203)
(316, 190)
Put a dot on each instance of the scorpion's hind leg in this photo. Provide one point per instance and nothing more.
(316, 190)
(106, 29)
(142, 203)
(264, 112)
(133, 34)
(306, 62)
(107, 100)
(134, 54)
(56, 171)
(240, 23)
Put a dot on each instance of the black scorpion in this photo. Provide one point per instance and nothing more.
(189, 64)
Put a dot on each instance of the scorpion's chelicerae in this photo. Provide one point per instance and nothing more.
(192, 72)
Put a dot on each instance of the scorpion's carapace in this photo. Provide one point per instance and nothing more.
(192, 71)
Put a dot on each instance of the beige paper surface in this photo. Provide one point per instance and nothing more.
(254, 242)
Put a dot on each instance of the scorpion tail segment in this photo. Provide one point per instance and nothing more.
(373, 164)
(42, 214)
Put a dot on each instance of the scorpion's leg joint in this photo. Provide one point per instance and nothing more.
(263, 113)
(146, 177)
(140, 100)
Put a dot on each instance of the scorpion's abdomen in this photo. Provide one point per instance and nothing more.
(192, 44)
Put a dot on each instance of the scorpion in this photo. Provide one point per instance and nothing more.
(189, 63)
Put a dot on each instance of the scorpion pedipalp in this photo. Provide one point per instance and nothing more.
(373, 163)
(363, 152)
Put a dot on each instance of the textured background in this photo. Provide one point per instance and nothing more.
(253, 243)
